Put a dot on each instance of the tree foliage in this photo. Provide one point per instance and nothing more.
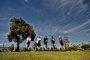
(66, 42)
(20, 30)
(74, 47)
(85, 46)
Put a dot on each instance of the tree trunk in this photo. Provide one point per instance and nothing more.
(17, 47)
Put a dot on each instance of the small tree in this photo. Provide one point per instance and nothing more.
(19, 31)
(12, 47)
(66, 42)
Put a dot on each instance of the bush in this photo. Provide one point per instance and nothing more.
(85, 46)
(74, 47)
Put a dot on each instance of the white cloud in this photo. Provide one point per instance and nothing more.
(4, 18)
(13, 9)
(3, 35)
(62, 19)
(54, 31)
(26, 0)
(66, 5)
(77, 27)
(65, 32)
(28, 6)
(72, 6)
(85, 30)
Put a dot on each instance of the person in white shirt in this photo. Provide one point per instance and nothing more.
(28, 42)
(38, 41)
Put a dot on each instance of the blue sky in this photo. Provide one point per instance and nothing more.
(49, 17)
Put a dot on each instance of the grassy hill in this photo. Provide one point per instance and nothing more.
(46, 55)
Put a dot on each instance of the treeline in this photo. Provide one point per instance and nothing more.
(70, 48)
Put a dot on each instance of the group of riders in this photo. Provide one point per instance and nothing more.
(37, 44)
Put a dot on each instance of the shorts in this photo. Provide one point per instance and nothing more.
(61, 42)
(53, 42)
(45, 42)
(28, 42)
(39, 44)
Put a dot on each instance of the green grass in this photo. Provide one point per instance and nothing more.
(46, 55)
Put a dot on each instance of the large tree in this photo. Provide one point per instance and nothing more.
(19, 31)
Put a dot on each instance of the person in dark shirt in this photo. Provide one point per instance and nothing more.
(45, 41)
(52, 41)
(61, 42)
